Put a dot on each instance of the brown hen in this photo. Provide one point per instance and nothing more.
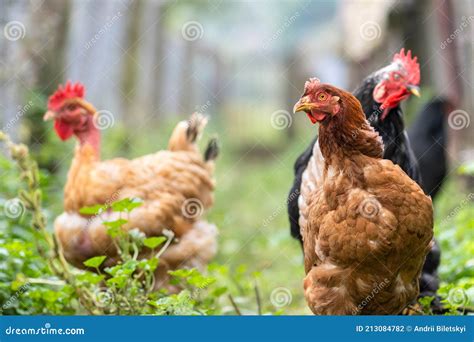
(175, 185)
(366, 225)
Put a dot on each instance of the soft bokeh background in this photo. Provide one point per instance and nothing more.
(148, 64)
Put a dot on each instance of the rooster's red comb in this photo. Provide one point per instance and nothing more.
(69, 91)
(410, 64)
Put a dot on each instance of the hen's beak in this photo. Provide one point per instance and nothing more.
(303, 105)
(414, 90)
(49, 115)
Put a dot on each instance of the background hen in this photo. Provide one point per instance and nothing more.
(368, 226)
(175, 185)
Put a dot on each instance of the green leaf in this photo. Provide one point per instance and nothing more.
(153, 242)
(148, 264)
(153, 264)
(115, 224)
(193, 277)
(114, 227)
(219, 291)
(114, 269)
(95, 261)
(93, 210)
(183, 273)
(426, 301)
(129, 267)
(90, 278)
(119, 281)
(127, 204)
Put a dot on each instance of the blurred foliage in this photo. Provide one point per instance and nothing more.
(454, 229)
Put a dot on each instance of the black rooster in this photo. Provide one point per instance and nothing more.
(428, 137)
(380, 95)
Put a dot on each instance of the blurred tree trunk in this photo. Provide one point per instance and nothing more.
(463, 15)
(151, 57)
(47, 51)
(294, 75)
(15, 66)
(130, 67)
(289, 92)
(218, 83)
(49, 43)
(186, 86)
(456, 62)
(159, 57)
(96, 49)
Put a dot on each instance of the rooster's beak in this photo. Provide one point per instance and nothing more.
(414, 90)
(302, 105)
(49, 115)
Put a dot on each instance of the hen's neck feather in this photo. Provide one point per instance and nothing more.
(89, 137)
(347, 136)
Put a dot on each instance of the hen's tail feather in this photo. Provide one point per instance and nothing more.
(212, 150)
(186, 133)
(196, 125)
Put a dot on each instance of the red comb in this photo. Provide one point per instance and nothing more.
(69, 91)
(410, 64)
(309, 85)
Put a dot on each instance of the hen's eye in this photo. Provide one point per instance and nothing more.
(322, 97)
(71, 107)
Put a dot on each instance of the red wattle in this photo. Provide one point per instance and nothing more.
(63, 130)
(319, 116)
(315, 117)
(310, 116)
